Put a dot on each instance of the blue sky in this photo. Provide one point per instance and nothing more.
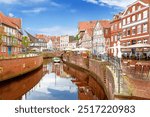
(60, 17)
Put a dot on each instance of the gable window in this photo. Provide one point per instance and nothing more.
(128, 20)
(145, 14)
(144, 28)
(128, 12)
(139, 29)
(133, 30)
(133, 8)
(124, 21)
(139, 17)
(139, 7)
(133, 18)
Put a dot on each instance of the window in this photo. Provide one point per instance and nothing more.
(106, 31)
(133, 18)
(133, 8)
(139, 29)
(139, 41)
(128, 43)
(128, 12)
(139, 17)
(112, 39)
(119, 25)
(145, 41)
(112, 27)
(115, 37)
(128, 20)
(145, 14)
(133, 30)
(144, 28)
(124, 21)
(124, 32)
(128, 32)
(116, 26)
(139, 7)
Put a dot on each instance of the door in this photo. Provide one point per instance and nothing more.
(9, 50)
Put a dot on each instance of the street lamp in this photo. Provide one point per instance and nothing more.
(119, 62)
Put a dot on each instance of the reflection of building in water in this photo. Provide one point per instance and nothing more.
(63, 74)
(49, 67)
(56, 68)
(88, 87)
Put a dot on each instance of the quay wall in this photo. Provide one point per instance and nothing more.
(97, 69)
(10, 68)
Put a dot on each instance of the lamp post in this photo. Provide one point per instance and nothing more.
(119, 67)
(115, 54)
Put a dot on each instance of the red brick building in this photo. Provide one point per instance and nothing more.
(132, 26)
(135, 24)
(11, 35)
(116, 31)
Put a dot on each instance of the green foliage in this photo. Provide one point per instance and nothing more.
(77, 37)
(25, 41)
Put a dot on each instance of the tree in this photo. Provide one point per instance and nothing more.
(77, 37)
(25, 42)
(1, 34)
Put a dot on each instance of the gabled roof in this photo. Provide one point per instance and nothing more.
(82, 26)
(105, 23)
(90, 32)
(9, 21)
(143, 2)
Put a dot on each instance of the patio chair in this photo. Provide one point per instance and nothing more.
(146, 71)
(138, 71)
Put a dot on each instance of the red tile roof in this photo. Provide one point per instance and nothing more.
(105, 23)
(9, 21)
(146, 1)
(82, 26)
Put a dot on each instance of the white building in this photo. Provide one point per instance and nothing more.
(101, 37)
(65, 42)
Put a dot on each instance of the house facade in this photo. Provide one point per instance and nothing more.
(11, 35)
(87, 39)
(131, 26)
(101, 37)
(135, 24)
(64, 41)
(85, 27)
(116, 31)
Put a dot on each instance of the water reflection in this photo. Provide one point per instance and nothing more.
(52, 82)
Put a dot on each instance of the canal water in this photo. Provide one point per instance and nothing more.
(53, 81)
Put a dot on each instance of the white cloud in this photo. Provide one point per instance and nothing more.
(92, 1)
(8, 1)
(54, 4)
(20, 1)
(11, 15)
(118, 3)
(56, 30)
(34, 10)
